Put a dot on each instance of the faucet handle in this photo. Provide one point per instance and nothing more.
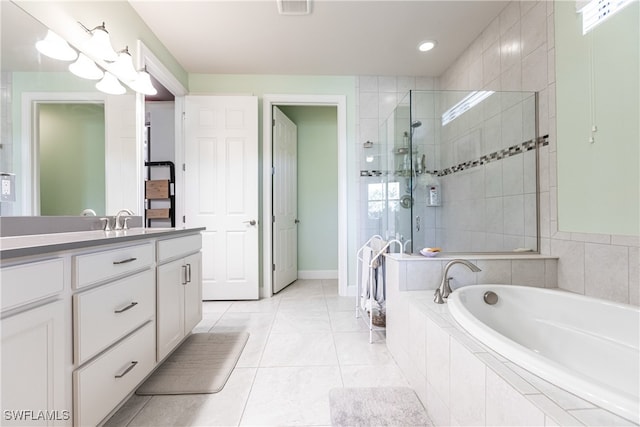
(126, 219)
(107, 226)
(437, 297)
(447, 288)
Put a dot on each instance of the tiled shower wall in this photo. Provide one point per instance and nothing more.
(516, 52)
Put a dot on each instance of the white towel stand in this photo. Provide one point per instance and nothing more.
(360, 272)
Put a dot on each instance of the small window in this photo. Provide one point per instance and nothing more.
(381, 195)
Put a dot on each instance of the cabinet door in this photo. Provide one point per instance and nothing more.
(193, 292)
(33, 367)
(170, 311)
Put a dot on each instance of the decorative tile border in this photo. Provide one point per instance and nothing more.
(488, 158)
(496, 155)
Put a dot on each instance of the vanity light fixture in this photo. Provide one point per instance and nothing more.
(99, 45)
(426, 45)
(110, 84)
(142, 84)
(56, 47)
(123, 66)
(86, 68)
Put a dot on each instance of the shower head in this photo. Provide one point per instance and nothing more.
(416, 124)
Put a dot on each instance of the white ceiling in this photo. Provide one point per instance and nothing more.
(363, 37)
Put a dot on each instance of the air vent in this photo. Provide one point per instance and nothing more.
(294, 7)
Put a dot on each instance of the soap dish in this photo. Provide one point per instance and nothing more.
(428, 252)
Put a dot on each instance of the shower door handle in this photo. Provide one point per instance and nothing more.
(297, 221)
(417, 223)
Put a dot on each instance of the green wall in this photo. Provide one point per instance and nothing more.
(597, 83)
(72, 158)
(317, 186)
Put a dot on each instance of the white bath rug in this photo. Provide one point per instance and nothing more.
(379, 406)
(202, 364)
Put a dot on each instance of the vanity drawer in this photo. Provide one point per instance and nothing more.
(105, 314)
(25, 283)
(102, 384)
(99, 266)
(179, 247)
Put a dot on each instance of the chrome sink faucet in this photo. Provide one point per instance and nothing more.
(444, 290)
(122, 225)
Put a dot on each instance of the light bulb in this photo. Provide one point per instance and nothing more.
(110, 84)
(143, 84)
(56, 47)
(99, 45)
(86, 68)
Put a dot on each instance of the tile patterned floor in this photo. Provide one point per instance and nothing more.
(303, 342)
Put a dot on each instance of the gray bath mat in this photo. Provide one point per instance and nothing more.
(202, 364)
(381, 406)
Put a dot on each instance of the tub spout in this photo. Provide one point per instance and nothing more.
(444, 290)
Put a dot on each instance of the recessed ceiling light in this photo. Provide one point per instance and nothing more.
(426, 45)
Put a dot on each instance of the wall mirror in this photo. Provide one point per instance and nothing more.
(54, 128)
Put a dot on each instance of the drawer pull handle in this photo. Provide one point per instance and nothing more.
(126, 371)
(124, 261)
(188, 273)
(130, 306)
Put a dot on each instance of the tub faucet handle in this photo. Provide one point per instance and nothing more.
(437, 297)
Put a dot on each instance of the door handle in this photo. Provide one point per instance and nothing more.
(252, 222)
(184, 274)
(297, 221)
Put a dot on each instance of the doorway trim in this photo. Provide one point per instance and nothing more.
(154, 66)
(269, 101)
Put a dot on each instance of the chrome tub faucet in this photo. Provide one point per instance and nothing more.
(444, 290)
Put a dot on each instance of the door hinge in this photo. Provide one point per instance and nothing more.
(274, 122)
(273, 170)
(273, 267)
(184, 219)
(184, 167)
(273, 219)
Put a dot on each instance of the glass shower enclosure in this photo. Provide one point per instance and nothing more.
(457, 170)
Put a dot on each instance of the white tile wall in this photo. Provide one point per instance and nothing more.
(517, 52)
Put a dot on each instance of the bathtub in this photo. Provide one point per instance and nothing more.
(587, 346)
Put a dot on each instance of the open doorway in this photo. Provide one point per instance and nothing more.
(337, 107)
(160, 137)
(159, 157)
(305, 194)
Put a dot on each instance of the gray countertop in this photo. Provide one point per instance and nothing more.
(37, 244)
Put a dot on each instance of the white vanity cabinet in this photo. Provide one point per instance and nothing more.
(113, 326)
(179, 290)
(86, 317)
(34, 345)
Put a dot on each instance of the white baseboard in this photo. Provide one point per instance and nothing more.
(317, 274)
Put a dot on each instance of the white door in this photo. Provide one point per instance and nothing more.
(221, 191)
(285, 200)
